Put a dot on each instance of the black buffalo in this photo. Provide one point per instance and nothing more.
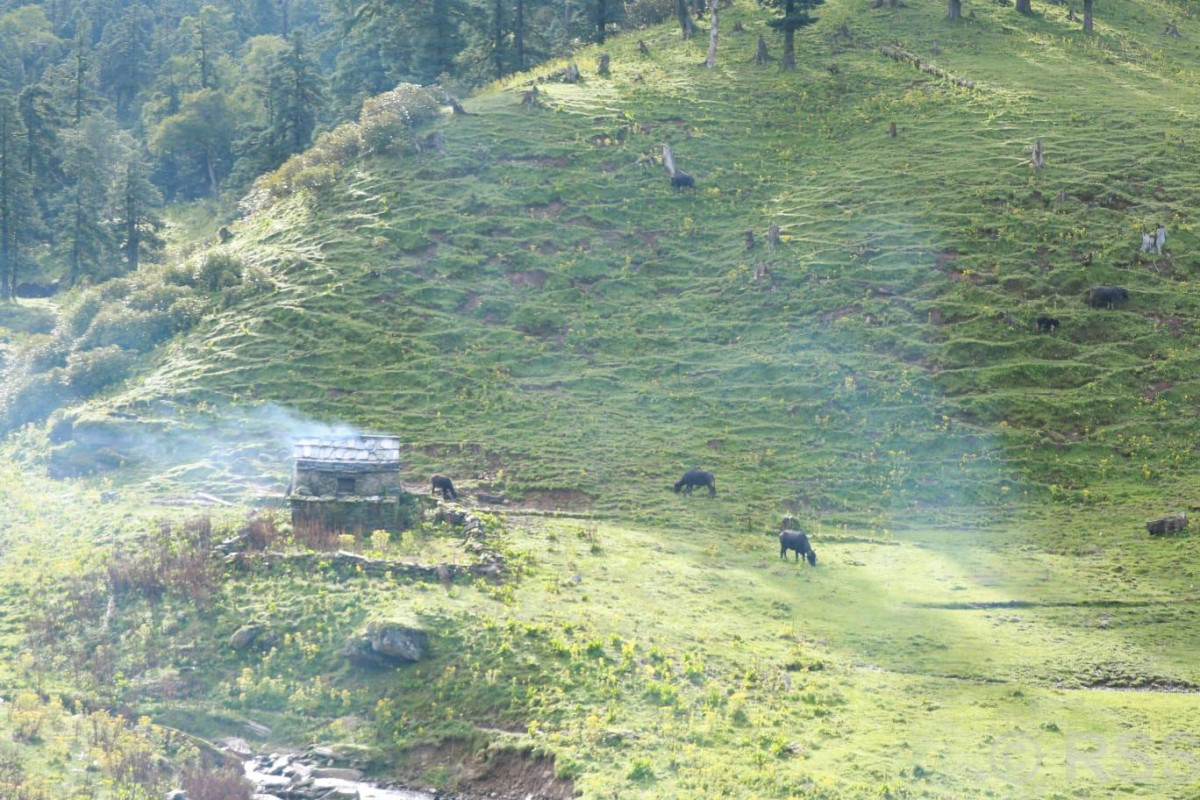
(1046, 324)
(797, 541)
(1107, 296)
(697, 477)
(441, 482)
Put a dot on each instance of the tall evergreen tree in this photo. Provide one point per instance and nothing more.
(208, 36)
(795, 16)
(137, 221)
(42, 120)
(296, 90)
(15, 206)
(125, 67)
(87, 164)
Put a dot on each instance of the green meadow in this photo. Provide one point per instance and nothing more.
(534, 311)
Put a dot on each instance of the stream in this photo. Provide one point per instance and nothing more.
(287, 777)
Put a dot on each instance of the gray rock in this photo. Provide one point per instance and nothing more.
(257, 728)
(387, 644)
(337, 773)
(237, 747)
(178, 794)
(244, 636)
(398, 641)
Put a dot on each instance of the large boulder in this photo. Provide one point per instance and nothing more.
(388, 644)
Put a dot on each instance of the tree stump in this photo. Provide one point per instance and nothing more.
(773, 238)
(737, 28)
(936, 49)
(1038, 160)
(761, 56)
(603, 68)
(642, 48)
(531, 98)
(572, 73)
(892, 131)
(749, 240)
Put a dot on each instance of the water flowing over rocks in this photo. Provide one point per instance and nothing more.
(294, 777)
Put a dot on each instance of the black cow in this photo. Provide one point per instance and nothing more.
(445, 485)
(697, 477)
(1107, 296)
(681, 180)
(1046, 324)
(797, 541)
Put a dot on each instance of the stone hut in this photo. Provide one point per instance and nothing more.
(349, 484)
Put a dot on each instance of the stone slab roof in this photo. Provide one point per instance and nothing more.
(362, 450)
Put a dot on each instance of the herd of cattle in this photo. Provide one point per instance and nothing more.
(797, 541)
(1097, 297)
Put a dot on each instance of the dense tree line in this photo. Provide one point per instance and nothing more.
(109, 108)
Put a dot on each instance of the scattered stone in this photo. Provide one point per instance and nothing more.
(387, 644)
(244, 636)
(338, 773)
(257, 728)
(1171, 523)
(236, 746)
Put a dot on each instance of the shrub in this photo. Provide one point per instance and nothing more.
(32, 399)
(79, 316)
(227, 783)
(385, 121)
(89, 371)
(125, 327)
(217, 269)
(156, 296)
(316, 177)
(185, 312)
(385, 118)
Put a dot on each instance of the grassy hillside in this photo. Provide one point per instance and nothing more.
(535, 311)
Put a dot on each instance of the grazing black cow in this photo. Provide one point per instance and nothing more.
(1046, 324)
(697, 477)
(1107, 296)
(797, 541)
(681, 180)
(445, 485)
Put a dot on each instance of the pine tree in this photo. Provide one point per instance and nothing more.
(137, 223)
(87, 165)
(125, 57)
(795, 16)
(16, 210)
(296, 90)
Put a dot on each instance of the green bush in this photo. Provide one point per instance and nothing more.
(157, 296)
(89, 371)
(216, 270)
(386, 118)
(33, 398)
(125, 327)
(78, 317)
